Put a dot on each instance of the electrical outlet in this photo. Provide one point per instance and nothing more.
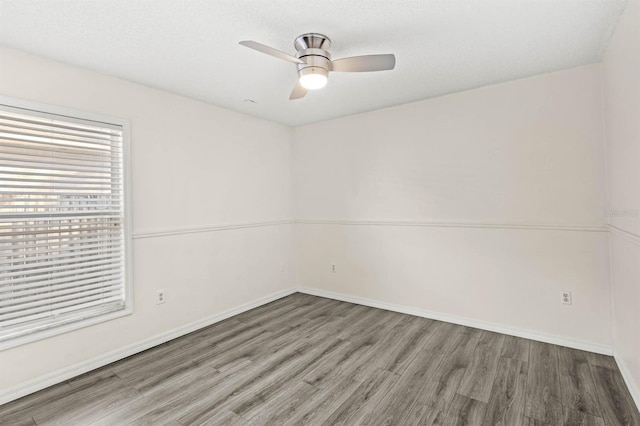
(333, 268)
(566, 297)
(160, 298)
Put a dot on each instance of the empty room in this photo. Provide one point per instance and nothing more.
(356, 212)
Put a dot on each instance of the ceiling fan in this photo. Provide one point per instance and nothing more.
(314, 61)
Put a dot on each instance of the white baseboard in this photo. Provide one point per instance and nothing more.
(483, 325)
(628, 379)
(72, 371)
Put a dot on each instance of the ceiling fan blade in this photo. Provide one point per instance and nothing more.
(270, 51)
(364, 63)
(298, 92)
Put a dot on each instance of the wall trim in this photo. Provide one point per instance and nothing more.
(72, 371)
(582, 228)
(628, 379)
(483, 325)
(626, 235)
(212, 228)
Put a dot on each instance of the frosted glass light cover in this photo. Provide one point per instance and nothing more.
(313, 81)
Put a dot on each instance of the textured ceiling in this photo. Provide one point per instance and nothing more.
(191, 47)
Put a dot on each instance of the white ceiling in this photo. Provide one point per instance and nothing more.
(191, 47)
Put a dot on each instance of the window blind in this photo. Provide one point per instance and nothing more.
(62, 219)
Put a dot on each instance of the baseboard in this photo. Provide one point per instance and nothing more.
(628, 379)
(483, 325)
(70, 372)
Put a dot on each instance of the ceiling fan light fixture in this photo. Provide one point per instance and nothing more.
(313, 61)
(313, 78)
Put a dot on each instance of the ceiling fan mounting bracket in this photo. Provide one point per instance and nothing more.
(312, 41)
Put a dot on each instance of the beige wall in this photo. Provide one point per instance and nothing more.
(621, 80)
(503, 188)
(194, 166)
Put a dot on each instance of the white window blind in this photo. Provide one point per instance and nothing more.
(62, 222)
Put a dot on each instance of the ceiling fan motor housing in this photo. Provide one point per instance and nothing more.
(311, 48)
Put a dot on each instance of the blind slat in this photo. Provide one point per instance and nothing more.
(52, 164)
(64, 273)
(8, 122)
(49, 298)
(51, 134)
(43, 118)
(53, 264)
(42, 324)
(50, 247)
(64, 174)
(49, 154)
(83, 252)
(8, 143)
(10, 293)
(66, 180)
(62, 283)
(55, 308)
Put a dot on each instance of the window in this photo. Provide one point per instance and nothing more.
(64, 234)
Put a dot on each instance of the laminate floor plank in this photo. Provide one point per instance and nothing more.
(266, 315)
(506, 406)
(576, 382)
(164, 401)
(296, 336)
(614, 398)
(110, 394)
(193, 355)
(191, 344)
(578, 418)
(397, 405)
(353, 361)
(434, 399)
(18, 421)
(308, 360)
(528, 421)
(318, 407)
(364, 322)
(365, 397)
(290, 319)
(439, 341)
(229, 390)
(188, 400)
(278, 382)
(404, 340)
(515, 348)
(276, 410)
(224, 418)
(465, 411)
(151, 379)
(543, 386)
(340, 309)
(479, 376)
(275, 375)
(23, 406)
(373, 339)
(599, 360)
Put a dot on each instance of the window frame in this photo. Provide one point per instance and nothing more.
(65, 112)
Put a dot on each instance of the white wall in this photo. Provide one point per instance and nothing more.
(195, 167)
(621, 80)
(483, 205)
